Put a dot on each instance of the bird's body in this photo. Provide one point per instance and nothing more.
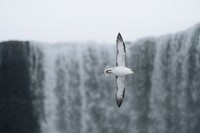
(120, 70)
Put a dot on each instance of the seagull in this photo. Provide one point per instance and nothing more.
(120, 70)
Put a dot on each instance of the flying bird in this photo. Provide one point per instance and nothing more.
(120, 70)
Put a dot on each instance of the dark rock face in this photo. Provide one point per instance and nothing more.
(16, 109)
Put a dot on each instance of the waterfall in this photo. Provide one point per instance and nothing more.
(166, 87)
(70, 93)
(73, 95)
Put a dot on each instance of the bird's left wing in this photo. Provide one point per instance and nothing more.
(121, 51)
(120, 85)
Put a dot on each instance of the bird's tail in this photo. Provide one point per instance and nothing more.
(105, 70)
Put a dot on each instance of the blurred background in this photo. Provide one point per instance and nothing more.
(53, 53)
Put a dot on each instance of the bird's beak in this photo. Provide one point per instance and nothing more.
(133, 72)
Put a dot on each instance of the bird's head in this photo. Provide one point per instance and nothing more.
(131, 71)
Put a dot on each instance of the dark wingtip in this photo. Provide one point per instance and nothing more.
(119, 37)
(119, 101)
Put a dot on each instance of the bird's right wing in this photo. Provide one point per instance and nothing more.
(120, 85)
(121, 51)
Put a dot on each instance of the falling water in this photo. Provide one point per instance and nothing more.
(72, 95)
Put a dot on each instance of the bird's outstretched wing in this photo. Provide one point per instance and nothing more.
(120, 85)
(121, 51)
